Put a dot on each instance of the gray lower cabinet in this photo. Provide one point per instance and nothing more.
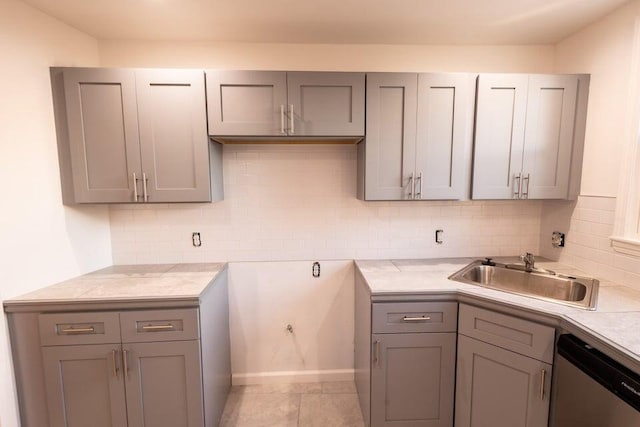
(134, 136)
(150, 362)
(418, 137)
(285, 104)
(405, 355)
(139, 384)
(504, 369)
(84, 386)
(160, 380)
(499, 388)
(412, 379)
(164, 384)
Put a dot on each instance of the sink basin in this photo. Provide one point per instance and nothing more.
(542, 284)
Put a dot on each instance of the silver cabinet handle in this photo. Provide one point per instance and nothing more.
(113, 361)
(125, 365)
(376, 353)
(145, 195)
(135, 188)
(411, 186)
(419, 193)
(293, 129)
(157, 327)
(71, 330)
(525, 193)
(282, 131)
(416, 319)
(543, 378)
(517, 178)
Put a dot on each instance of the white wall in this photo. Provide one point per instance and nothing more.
(41, 242)
(588, 223)
(265, 297)
(265, 56)
(604, 50)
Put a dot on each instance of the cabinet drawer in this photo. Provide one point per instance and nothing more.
(518, 335)
(159, 325)
(404, 317)
(79, 328)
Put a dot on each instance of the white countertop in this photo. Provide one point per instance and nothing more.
(615, 322)
(128, 283)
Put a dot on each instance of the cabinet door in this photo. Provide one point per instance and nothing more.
(84, 386)
(164, 384)
(499, 136)
(551, 109)
(247, 103)
(391, 136)
(325, 104)
(173, 135)
(498, 388)
(102, 122)
(412, 379)
(445, 112)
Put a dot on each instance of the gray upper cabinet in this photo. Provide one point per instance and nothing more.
(443, 146)
(551, 111)
(102, 129)
(247, 103)
(418, 139)
(499, 140)
(173, 135)
(389, 162)
(326, 104)
(134, 136)
(285, 104)
(524, 141)
(84, 386)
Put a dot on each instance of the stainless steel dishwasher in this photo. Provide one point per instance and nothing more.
(592, 390)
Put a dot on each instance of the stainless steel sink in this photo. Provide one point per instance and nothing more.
(574, 291)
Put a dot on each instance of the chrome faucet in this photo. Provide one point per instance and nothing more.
(529, 261)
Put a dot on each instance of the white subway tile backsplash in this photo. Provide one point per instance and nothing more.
(588, 223)
(299, 202)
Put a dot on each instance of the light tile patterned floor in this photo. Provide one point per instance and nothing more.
(333, 404)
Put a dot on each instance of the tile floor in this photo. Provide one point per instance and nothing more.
(333, 404)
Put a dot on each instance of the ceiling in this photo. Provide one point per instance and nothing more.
(331, 21)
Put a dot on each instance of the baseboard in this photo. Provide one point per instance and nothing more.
(279, 377)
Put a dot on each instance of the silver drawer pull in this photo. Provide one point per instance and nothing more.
(113, 361)
(71, 330)
(125, 363)
(157, 327)
(416, 319)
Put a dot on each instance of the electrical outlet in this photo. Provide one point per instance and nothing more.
(557, 239)
(195, 239)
